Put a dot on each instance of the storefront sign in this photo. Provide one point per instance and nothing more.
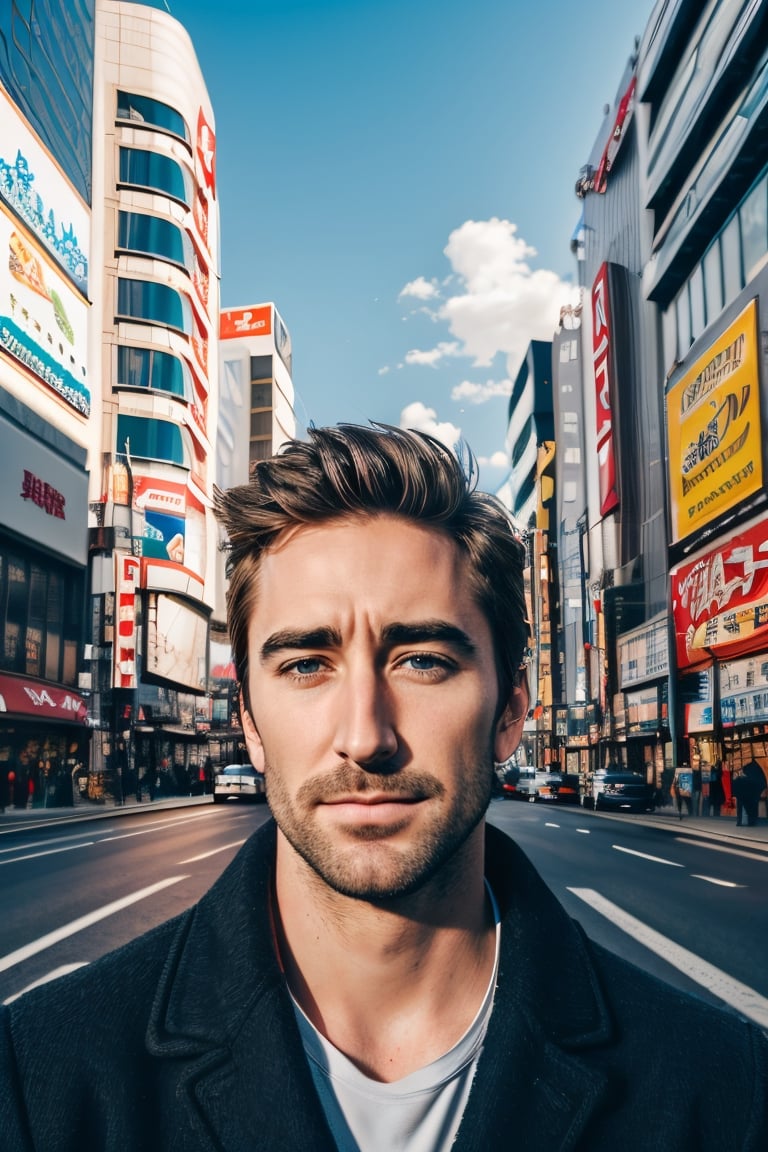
(603, 369)
(720, 600)
(642, 711)
(127, 572)
(713, 428)
(28, 697)
(744, 691)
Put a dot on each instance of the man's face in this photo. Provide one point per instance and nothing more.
(374, 694)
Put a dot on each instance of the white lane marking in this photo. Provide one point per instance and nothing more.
(48, 852)
(83, 922)
(547, 824)
(645, 856)
(584, 831)
(54, 975)
(48, 843)
(762, 856)
(160, 826)
(713, 880)
(213, 852)
(740, 996)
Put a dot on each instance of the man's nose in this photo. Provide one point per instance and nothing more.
(365, 727)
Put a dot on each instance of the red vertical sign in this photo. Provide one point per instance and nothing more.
(601, 364)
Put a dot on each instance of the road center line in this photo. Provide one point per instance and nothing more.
(740, 996)
(48, 852)
(547, 824)
(645, 856)
(584, 831)
(159, 827)
(205, 855)
(82, 922)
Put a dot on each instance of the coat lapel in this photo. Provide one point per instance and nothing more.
(223, 1016)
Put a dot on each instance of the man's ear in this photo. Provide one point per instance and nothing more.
(509, 726)
(252, 739)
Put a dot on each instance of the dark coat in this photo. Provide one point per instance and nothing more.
(185, 1039)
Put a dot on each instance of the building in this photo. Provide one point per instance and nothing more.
(256, 418)
(46, 394)
(154, 345)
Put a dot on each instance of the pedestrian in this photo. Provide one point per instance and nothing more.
(378, 969)
(682, 787)
(747, 789)
(716, 790)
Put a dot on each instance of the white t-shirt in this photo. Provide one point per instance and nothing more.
(421, 1112)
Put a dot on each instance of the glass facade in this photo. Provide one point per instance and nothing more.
(155, 303)
(144, 169)
(733, 258)
(46, 65)
(41, 615)
(154, 236)
(151, 439)
(152, 113)
(150, 368)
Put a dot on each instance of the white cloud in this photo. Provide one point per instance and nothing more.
(501, 303)
(420, 288)
(423, 419)
(497, 460)
(480, 393)
(433, 356)
(383, 371)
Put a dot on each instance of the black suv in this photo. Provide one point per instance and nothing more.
(622, 792)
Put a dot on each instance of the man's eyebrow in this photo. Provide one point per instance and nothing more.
(424, 631)
(297, 638)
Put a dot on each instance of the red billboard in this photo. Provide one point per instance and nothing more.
(603, 369)
(720, 600)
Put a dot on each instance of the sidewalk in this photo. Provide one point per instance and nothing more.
(21, 819)
(722, 828)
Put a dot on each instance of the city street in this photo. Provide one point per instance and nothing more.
(690, 909)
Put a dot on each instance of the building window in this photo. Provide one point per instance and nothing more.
(261, 424)
(261, 367)
(149, 368)
(145, 169)
(152, 113)
(753, 216)
(571, 422)
(713, 282)
(683, 315)
(41, 617)
(151, 439)
(696, 291)
(260, 450)
(731, 249)
(261, 395)
(153, 236)
(669, 334)
(155, 303)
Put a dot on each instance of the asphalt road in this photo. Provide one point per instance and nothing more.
(692, 911)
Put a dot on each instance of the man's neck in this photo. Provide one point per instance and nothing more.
(396, 984)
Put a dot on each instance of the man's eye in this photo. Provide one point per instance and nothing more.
(426, 662)
(308, 666)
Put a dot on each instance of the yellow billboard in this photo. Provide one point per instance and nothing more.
(713, 429)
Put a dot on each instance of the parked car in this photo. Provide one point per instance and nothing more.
(622, 792)
(559, 788)
(238, 782)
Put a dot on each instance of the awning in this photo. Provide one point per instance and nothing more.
(37, 699)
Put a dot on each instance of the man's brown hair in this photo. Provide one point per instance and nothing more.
(352, 470)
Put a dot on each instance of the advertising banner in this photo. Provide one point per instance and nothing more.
(163, 504)
(32, 185)
(603, 368)
(643, 652)
(720, 600)
(127, 575)
(177, 642)
(713, 430)
(43, 320)
(39, 699)
(238, 322)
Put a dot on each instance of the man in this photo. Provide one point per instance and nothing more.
(377, 969)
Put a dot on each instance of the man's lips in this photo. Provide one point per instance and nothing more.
(372, 799)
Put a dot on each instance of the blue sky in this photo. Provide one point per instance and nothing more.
(398, 176)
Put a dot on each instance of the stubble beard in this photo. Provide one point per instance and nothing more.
(368, 866)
